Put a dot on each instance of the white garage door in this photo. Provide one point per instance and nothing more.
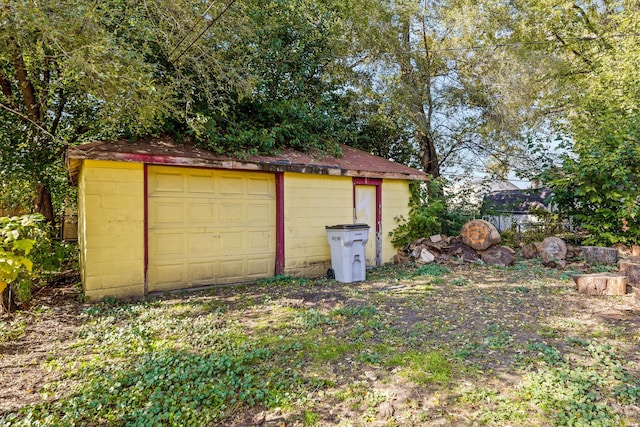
(209, 227)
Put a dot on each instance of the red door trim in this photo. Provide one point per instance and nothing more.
(280, 256)
(146, 227)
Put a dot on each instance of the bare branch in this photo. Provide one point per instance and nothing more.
(27, 120)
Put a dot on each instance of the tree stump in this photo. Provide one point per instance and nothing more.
(479, 234)
(552, 249)
(498, 255)
(630, 267)
(601, 284)
(599, 255)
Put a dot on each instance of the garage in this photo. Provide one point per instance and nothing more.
(209, 226)
(155, 215)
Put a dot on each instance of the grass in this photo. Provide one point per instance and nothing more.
(460, 346)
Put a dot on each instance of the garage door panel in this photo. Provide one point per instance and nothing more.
(168, 274)
(232, 185)
(209, 226)
(232, 213)
(260, 186)
(168, 244)
(201, 212)
(202, 244)
(232, 270)
(169, 182)
(259, 267)
(260, 240)
(201, 272)
(201, 184)
(232, 241)
(167, 212)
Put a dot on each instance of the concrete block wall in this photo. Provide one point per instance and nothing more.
(312, 202)
(111, 229)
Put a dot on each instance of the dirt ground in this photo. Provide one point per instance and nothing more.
(466, 303)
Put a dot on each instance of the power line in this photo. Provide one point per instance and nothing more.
(588, 38)
(190, 30)
(213, 21)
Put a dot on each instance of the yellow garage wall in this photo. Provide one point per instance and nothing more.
(312, 202)
(111, 228)
(395, 202)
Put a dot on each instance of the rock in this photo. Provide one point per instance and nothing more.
(552, 249)
(425, 257)
(555, 263)
(573, 252)
(464, 252)
(436, 238)
(479, 234)
(530, 251)
(498, 255)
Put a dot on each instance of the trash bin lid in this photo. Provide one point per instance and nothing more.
(347, 227)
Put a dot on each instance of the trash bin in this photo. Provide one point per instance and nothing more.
(347, 243)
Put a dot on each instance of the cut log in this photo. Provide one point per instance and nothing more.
(630, 267)
(599, 255)
(530, 251)
(601, 284)
(479, 234)
(498, 255)
(552, 249)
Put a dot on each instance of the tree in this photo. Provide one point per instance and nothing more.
(440, 66)
(237, 77)
(595, 50)
(68, 72)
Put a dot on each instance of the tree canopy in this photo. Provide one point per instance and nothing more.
(444, 85)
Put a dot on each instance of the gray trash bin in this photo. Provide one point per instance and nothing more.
(347, 242)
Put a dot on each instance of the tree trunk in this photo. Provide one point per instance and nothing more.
(601, 284)
(44, 204)
(479, 234)
(630, 267)
(599, 255)
(7, 304)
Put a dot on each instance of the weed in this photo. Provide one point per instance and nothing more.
(310, 419)
(468, 350)
(498, 338)
(460, 281)
(423, 368)
(313, 318)
(366, 310)
(434, 270)
(547, 353)
(12, 330)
